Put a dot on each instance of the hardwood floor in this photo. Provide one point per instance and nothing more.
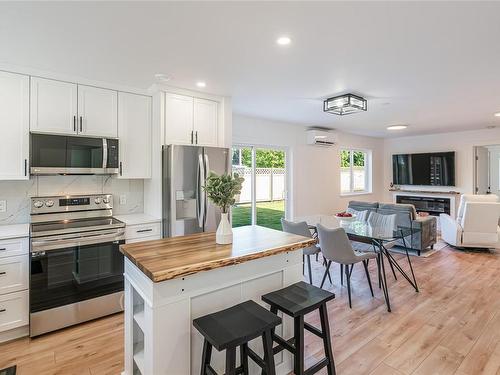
(451, 327)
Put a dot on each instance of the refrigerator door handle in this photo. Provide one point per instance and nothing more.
(200, 194)
(207, 171)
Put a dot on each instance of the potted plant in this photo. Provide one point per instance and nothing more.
(221, 191)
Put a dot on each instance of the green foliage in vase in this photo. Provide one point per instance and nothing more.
(222, 190)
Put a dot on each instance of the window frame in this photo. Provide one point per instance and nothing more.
(367, 167)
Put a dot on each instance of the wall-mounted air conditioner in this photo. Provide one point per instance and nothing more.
(319, 137)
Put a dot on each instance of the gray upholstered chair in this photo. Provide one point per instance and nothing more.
(336, 247)
(302, 229)
(385, 221)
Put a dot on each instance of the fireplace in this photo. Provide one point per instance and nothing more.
(432, 205)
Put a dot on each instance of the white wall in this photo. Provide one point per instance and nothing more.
(315, 171)
(461, 142)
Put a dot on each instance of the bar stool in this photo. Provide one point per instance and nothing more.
(296, 301)
(236, 326)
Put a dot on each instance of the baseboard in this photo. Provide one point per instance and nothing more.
(14, 334)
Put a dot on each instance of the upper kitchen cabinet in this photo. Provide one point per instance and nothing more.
(53, 106)
(205, 125)
(97, 112)
(190, 120)
(14, 126)
(179, 119)
(134, 131)
(67, 108)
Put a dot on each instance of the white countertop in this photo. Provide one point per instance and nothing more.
(14, 231)
(136, 219)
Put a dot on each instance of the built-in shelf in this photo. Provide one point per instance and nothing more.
(139, 316)
(139, 357)
(425, 192)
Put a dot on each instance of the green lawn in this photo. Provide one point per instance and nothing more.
(269, 214)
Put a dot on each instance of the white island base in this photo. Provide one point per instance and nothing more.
(159, 335)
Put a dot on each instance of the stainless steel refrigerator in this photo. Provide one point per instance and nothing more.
(186, 209)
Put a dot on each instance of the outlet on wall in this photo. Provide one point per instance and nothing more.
(123, 199)
(3, 205)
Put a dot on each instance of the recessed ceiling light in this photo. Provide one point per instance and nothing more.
(283, 41)
(496, 114)
(201, 84)
(162, 77)
(397, 127)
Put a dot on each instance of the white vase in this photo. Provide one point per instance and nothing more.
(224, 234)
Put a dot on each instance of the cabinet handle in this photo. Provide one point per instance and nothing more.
(144, 230)
(81, 124)
(3, 248)
(192, 132)
(121, 169)
(74, 123)
(197, 137)
(25, 168)
(3, 273)
(3, 310)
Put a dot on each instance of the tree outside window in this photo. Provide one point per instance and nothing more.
(354, 171)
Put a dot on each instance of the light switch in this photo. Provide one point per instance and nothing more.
(123, 199)
(3, 205)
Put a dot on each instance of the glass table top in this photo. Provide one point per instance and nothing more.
(362, 229)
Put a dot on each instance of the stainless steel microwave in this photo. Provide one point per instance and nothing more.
(59, 154)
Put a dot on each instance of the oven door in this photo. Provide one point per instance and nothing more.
(73, 271)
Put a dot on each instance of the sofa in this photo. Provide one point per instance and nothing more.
(425, 234)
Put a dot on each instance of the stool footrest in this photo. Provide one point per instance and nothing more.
(316, 367)
(255, 357)
(313, 329)
(283, 344)
(210, 370)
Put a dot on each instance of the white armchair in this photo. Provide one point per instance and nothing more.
(476, 224)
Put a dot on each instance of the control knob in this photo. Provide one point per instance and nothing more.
(97, 200)
(49, 203)
(38, 204)
(105, 200)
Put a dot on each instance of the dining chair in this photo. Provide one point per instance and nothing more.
(302, 229)
(384, 221)
(337, 248)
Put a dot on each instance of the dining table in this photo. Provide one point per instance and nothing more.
(381, 238)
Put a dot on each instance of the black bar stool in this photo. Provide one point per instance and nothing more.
(296, 301)
(236, 326)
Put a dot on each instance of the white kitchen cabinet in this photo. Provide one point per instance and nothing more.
(14, 126)
(179, 119)
(134, 132)
(97, 111)
(205, 122)
(14, 274)
(53, 106)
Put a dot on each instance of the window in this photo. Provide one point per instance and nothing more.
(355, 176)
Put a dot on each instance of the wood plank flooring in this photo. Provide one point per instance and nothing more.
(451, 327)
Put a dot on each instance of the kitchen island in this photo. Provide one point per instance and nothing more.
(170, 282)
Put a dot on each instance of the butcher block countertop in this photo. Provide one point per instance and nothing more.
(176, 257)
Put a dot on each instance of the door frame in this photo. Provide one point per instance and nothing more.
(288, 177)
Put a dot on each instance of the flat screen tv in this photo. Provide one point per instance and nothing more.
(430, 169)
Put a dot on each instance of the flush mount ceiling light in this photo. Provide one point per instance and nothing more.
(345, 104)
(496, 114)
(162, 77)
(283, 41)
(397, 127)
(201, 84)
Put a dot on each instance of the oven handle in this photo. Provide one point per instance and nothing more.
(54, 244)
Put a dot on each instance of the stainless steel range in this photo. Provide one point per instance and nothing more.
(76, 265)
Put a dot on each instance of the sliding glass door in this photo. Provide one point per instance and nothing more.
(263, 197)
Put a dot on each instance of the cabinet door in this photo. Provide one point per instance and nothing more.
(14, 126)
(178, 119)
(205, 122)
(53, 106)
(134, 132)
(97, 112)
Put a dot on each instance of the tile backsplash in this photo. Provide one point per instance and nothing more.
(18, 193)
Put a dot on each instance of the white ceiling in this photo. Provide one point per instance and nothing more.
(434, 66)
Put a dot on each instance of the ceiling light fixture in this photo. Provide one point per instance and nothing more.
(496, 114)
(283, 41)
(397, 127)
(162, 77)
(201, 84)
(345, 104)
